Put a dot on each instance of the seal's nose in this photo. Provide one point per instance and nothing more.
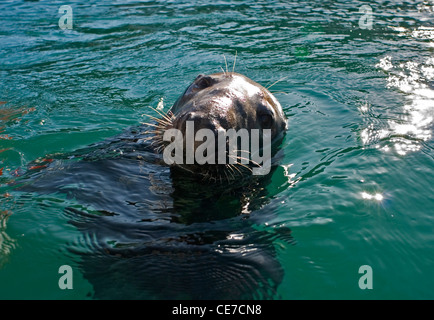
(200, 137)
(202, 121)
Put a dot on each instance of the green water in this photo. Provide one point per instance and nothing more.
(355, 183)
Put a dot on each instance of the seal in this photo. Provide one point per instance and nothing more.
(219, 103)
(167, 235)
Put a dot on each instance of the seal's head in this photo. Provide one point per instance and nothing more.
(220, 103)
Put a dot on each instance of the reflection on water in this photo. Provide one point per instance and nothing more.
(292, 180)
(7, 244)
(426, 6)
(376, 196)
(416, 79)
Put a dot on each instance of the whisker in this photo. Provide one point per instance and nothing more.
(281, 92)
(163, 121)
(226, 63)
(243, 158)
(158, 111)
(235, 60)
(160, 148)
(152, 124)
(168, 117)
(241, 151)
(238, 170)
(148, 139)
(230, 172)
(242, 165)
(281, 79)
(226, 175)
(239, 158)
(250, 160)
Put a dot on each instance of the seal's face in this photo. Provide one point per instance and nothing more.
(219, 102)
(228, 100)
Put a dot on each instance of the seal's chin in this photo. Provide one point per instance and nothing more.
(215, 173)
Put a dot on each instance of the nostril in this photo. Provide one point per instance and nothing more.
(266, 121)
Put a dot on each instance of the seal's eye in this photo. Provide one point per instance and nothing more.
(266, 121)
(203, 82)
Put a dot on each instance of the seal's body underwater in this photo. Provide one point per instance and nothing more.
(221, 103)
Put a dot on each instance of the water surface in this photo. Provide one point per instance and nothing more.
(354, 186)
